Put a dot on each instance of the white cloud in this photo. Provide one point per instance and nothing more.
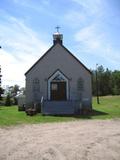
(90, 37)
(74, 18)
(91, 7)
(94, 42)
(21, 48)
(29, 3)
(11, 70)
(84, 12)
(38, 6)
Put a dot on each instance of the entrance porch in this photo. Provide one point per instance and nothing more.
(61, 107)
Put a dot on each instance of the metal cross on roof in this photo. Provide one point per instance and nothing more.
(57, 27)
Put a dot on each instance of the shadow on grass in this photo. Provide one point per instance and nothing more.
(88, 115)
(91, 114)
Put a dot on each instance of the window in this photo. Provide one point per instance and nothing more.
(36, 85)
(80, 84)
(54, 87)
(58, 77)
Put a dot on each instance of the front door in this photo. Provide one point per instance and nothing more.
(58, 91)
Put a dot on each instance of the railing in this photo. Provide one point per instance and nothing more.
(41, 102)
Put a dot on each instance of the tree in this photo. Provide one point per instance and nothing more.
(108, 81)
(107, 88)
(1, 89)
(13, 90)
(8, 100)
(15, 101)
(100, 73)
(116, 82)
(1, 92)
(22, 90)
(97, 86)
(94, 82)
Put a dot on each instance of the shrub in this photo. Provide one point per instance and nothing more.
(21, 108)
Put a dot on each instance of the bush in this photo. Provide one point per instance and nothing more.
(21, 108)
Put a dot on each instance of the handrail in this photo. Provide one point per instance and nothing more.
(42, 100)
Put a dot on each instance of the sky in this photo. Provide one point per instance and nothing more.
(90, 28)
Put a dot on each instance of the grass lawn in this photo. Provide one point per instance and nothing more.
(109, 107)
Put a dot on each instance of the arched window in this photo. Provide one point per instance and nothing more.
(58, 77)
(80, 84)
(80, 88)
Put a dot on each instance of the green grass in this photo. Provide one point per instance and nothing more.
(109, 107)
(11, 116)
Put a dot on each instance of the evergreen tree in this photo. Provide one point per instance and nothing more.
(1, 89)
(108, 81)
(116, 82)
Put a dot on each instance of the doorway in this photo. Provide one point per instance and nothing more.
(58, 91)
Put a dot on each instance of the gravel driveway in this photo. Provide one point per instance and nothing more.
(78, 140)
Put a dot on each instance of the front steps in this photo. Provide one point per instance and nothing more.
(60, 107)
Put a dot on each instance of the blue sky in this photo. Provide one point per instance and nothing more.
(90, 28)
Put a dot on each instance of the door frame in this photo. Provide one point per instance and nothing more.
(64, 79)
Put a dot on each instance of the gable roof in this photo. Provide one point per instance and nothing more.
(77, 59)
(63, 48)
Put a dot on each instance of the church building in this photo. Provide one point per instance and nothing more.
(60, 80)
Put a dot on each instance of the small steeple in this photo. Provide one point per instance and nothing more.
(57, 37)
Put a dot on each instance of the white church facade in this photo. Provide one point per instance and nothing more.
(61, 80)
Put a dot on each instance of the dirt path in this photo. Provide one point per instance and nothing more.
(79, 140)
